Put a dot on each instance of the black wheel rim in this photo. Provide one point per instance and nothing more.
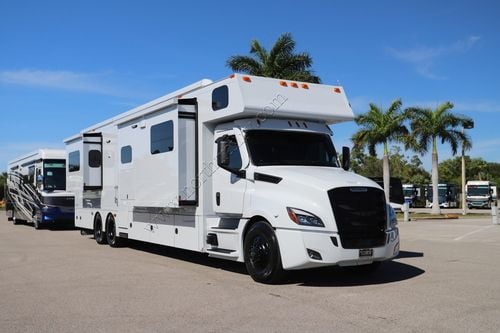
(260, 253)
(111, 232)
(98, 231)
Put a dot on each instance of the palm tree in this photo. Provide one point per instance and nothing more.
(380, 127)
(428, 126)
(280, 62)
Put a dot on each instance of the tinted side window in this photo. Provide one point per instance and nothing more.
(126, 154)
(220, 98)
(162, 137)
(74, 161)
(94, 158)
(234, 156)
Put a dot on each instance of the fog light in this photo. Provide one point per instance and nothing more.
(314, 254)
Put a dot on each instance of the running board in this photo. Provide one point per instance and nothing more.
(223, 253)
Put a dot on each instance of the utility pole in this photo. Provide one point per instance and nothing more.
(465, 125)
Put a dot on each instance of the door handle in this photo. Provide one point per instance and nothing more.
(217, 198)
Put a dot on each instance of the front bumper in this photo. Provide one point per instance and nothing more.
(51, 215)
(478, 204)
(294, 245)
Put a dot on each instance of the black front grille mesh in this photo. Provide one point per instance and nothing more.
(360, 213)
(59, 201)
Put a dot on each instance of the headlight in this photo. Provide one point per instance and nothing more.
(302, 217)
(391, 218)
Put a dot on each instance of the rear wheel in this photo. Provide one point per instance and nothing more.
(111, 236)
(99, 235)
(262, 254)
(36, 224)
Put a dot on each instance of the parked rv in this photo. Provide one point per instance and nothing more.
(36, 189)
(480, 193)
(448, 196)
(242, 169)
(414, 195)
(396, 196)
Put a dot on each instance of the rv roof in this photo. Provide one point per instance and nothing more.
(38, 154)
(145, 108)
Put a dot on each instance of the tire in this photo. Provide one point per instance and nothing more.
(99, 235)
(36, 224)
(262, 254)
(111, 236)
(13, 218)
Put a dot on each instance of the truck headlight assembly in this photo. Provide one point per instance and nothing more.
(302, 217)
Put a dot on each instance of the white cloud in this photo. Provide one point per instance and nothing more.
(478, 106)
(423, 57)
(64, 80)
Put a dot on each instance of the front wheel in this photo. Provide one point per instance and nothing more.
(262, 254)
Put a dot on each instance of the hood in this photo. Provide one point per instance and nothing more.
(322, 178)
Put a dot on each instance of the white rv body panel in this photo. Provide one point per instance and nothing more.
(162, 181)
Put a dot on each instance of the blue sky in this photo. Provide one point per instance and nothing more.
(65, 65)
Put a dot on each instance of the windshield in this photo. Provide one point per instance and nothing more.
(478, 190)
(270, 147)
(408, 192)
(54, 175)
(445, 193)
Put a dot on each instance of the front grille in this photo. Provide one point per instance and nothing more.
(360, 213)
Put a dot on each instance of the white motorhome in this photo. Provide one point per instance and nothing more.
(243, 169)
(36, 188)
(480, 193)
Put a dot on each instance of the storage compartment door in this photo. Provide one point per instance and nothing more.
(92, 161)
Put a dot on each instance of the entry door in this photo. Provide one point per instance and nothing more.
(228, 188)
(92, 161)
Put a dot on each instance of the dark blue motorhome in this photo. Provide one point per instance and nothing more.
(36, 189)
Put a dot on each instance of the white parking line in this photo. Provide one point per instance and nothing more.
(472, 232)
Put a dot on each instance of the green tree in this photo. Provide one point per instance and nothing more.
(428, 126)
(3, 180)
(281, 62)
(365, 165)
(450, 170)
(409, 170)
(379, 126)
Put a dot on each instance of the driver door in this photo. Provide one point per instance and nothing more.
(229, 183)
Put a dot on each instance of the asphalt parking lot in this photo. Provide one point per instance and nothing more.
(447, 279)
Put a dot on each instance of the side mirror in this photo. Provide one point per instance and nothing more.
(346, 158)
(223, 153)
